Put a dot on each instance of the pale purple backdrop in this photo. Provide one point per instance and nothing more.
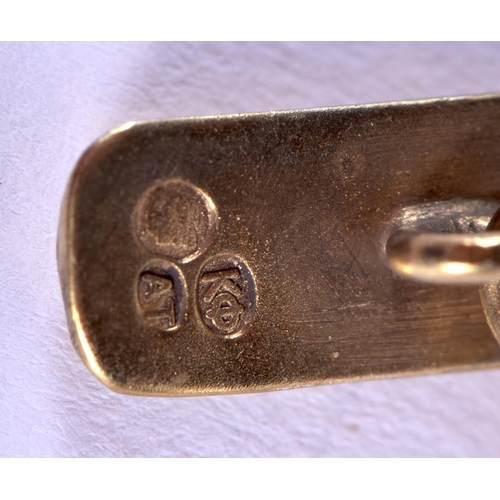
(57, 98)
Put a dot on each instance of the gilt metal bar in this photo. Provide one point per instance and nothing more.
(242, 253)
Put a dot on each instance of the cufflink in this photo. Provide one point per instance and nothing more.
(254, 252)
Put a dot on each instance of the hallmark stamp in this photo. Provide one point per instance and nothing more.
(226, 296)
(175, 219)
(162, 296)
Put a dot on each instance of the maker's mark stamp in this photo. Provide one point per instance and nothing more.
(175, 219)
(162, 296)
(226, 296)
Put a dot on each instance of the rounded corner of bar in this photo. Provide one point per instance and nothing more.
(96, 368)
(98, 149)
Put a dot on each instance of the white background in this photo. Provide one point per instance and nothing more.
(57, 98)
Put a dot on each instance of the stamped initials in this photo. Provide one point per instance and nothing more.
(161, 296)
(177, 220)
(226, 296)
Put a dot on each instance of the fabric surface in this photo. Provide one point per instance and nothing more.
(55, 99)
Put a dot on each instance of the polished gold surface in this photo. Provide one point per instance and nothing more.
(445, 258)
(244, 253)
(490, 292)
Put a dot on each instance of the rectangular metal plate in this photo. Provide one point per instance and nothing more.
(244, 253)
